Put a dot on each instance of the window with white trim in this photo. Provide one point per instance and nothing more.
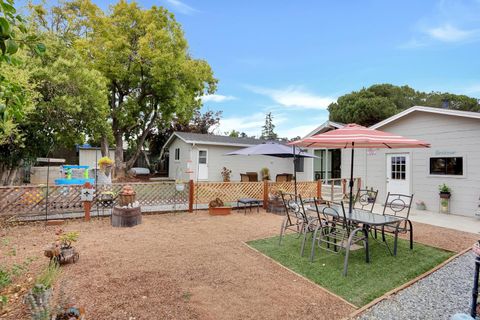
(452, 166)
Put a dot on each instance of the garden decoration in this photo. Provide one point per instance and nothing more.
(104, 175)
(179, 185)
(421, 205)
(74, 174)
(62, 251)
(217, 207)
(128, 213)
(87, 198)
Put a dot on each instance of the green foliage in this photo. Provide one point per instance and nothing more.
(444, 188)
(365, 281)
(47, 278)
(5, 277)
(378, 102)
(66, 239)
(151, 76)
(268, 129)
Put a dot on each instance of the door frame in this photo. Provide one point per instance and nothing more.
(198, 164)
(408, 174)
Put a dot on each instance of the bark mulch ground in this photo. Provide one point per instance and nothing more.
(185, 266)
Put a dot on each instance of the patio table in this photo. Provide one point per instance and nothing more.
(250, 202)
(367, 220)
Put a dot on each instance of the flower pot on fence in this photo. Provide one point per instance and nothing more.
(180, 187)
(219, 211)
(126, 199)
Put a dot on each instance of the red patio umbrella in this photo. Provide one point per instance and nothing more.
(355, 136)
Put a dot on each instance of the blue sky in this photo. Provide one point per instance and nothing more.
(294, 57)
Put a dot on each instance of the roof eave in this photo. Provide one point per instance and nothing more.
(458, 113)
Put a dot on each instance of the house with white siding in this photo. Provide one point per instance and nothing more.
(201, 157)
(453, 159)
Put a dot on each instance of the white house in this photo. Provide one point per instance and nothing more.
(202, 156)
(453, 159)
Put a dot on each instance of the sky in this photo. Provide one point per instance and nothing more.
(293, 58)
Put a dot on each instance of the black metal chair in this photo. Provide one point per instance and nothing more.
(339, 234)
(365, 199)
(296, 218)
(398, 205)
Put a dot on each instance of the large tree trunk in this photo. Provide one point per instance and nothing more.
(104, 146)
(140, 142)
(119, 164)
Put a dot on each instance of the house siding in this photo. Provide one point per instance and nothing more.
(457, 136)
(177, 169)
(238, 164)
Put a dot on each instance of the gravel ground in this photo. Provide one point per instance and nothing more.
(438, 296)
(184, 266)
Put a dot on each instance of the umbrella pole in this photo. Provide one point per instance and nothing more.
(350, 206)
(295, 172)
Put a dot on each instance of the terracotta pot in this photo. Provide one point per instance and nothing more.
(219, 211)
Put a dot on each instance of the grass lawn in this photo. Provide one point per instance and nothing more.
(364, 282)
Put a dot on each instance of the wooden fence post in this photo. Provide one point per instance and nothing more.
(332, 191)
(319, 189)
(359, 184)
(191, 192)
(344, 186)
(265, 194)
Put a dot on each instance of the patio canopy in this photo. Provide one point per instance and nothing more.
(355, 136)
(275, 149)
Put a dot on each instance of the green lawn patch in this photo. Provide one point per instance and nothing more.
(364, 282)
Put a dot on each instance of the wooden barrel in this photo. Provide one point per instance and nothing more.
(126, 217)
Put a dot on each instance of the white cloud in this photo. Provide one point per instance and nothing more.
(449, 33)
(294, 96)
(217, 98)
(302, 131)
(181, 7)
(251, 124)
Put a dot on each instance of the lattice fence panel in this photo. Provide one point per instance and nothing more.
(227, 191)
(307, 189)
(32, 199)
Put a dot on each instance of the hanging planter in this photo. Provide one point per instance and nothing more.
(179, 187)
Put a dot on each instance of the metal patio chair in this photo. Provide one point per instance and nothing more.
(296, 218)
(365, 199)
(339, 234)
(398, 205)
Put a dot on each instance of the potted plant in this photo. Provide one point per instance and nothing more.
(62, 251)
(217, 207)
(421, 205)
(445, 191)
(179, 185)
(226, 173)
(265, 173)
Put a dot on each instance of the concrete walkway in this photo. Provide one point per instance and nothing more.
(451, 221)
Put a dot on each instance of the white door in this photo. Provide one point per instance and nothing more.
(398, 173)
(202, 165)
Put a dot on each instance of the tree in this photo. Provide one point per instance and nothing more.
(17, 93)
(151, 75)
(268, 129)
(378, 102)
(234, 133)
